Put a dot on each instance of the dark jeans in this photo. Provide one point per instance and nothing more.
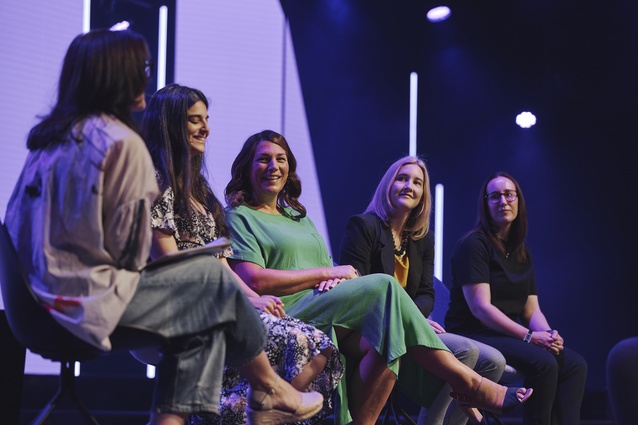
(558, 381)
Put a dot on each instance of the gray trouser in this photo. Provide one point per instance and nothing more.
(197, 303)
(487, 361)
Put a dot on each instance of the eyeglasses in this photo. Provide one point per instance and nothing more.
(495, 197)
(148, 68)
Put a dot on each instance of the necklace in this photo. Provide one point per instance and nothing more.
(401, 251)
(507, 248)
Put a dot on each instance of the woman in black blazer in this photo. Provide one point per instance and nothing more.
(393, 237)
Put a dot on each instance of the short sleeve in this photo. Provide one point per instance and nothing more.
(471, 261)
(243, 242)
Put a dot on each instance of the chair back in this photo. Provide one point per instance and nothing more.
(442, 296)
(32, 325)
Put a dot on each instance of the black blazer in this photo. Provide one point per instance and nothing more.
(368, 247)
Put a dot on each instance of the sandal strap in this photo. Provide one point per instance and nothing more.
(256, 394)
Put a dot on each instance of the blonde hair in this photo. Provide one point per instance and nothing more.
(418, 223)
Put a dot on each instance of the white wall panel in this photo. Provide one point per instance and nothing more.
(35, 36)
(231, 50)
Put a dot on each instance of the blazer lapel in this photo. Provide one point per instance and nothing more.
(387, 251)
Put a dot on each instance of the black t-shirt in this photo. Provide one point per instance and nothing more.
(476, 260)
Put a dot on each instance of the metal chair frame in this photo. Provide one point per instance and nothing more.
(36, 329)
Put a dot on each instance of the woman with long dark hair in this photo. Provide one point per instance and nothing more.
(79, 218)
(189, 215)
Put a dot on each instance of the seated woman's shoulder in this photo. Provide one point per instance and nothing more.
(369, 219)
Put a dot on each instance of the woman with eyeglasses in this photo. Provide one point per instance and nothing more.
(375, 324)
(494, 300)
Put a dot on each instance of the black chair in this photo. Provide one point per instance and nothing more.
(393, 410)
(35, 328)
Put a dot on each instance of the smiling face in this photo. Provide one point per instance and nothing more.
(406, 191)
(503, 212)
(269, 171)
(197, 128)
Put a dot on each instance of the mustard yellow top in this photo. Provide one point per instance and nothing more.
(401, 267)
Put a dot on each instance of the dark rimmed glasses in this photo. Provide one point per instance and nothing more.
(495, 197)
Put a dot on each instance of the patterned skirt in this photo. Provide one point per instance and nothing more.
(291, 345)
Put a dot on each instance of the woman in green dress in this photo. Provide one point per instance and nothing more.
(277, 250)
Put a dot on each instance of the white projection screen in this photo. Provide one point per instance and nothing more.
(239, 53)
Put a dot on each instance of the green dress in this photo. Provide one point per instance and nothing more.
(375, 305)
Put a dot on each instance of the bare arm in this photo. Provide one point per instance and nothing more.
(533, 315)
(543, 334)
(478, 299)
(286, 282)
(164, 243)
(267, 303)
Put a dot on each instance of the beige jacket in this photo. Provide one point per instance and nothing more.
(79, 217)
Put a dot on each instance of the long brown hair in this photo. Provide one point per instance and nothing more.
(518, 228)
(103, 72)
(164, 128)
(239, 190)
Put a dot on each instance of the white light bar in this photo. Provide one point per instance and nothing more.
(86, 16)
(414, 86)
(438, 232)
(161, 47)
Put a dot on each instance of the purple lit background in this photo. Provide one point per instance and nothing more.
(345, 88)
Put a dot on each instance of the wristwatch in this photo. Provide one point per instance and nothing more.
(528, 336)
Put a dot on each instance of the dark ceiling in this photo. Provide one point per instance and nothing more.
(573, 63)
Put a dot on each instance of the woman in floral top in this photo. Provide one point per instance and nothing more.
(188, 215)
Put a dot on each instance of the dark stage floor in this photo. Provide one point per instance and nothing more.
(115, 390)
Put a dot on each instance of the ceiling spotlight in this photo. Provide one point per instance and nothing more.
(120, 26)
(438, 14)
(525, 119)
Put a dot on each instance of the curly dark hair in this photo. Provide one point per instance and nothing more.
(239, 190)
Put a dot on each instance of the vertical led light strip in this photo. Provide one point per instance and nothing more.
(86, 17)
(438, 232)
(161, 47)
(162, 36)
(283, 75)
(414, 84)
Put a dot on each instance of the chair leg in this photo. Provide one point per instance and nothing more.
(67, 385)
(394, 409)
(398, 411)
(386, 412)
